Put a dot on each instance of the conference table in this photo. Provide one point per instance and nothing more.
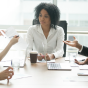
(41, 77)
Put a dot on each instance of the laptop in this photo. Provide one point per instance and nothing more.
(59, 66)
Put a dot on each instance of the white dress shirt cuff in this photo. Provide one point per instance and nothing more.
(55, 54)
(81, 49)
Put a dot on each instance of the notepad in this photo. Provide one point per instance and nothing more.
(82, 73)
(59, 66)
(8, 63)
(50, 61)
(83, 67)
(20, 76)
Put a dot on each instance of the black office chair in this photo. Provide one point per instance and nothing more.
(63, 24)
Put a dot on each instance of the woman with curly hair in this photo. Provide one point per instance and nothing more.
(46, 35)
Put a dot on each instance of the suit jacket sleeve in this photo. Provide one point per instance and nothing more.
(84, 51)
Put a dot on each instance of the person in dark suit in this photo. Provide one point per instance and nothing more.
(83, 50)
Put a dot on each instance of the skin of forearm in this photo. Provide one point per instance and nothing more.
(79, 46)
(4, 52)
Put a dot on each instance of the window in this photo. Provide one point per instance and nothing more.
(75, 13)
(18, 12)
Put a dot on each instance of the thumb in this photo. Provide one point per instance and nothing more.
(74, 37)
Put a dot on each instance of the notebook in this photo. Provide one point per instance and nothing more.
(59, 66)
(83, 67)
(50, 61)
(82, 73)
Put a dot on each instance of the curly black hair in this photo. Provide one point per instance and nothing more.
(52, 10)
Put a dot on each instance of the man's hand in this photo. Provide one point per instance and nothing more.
(81, 63)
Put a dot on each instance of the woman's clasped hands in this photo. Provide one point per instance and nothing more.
(46, 57)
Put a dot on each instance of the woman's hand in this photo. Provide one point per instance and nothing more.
(1, 33)
(40, 56)
(81, 63)
(14, 40)
(6, 74)
(49, 56)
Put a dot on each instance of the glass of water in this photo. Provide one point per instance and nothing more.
(72, 56)
(15, 62)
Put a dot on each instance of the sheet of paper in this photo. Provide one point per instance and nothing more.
(20, 75)
(73, 64)
(78, 58)
(82, 73)
(83, 67)
(5, 63)
(76, 78)
(10, 32)
(42, 61)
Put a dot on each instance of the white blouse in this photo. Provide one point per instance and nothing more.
(37, 41)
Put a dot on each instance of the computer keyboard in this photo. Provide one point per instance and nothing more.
(53, 66)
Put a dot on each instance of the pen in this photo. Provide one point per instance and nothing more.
(13, 36)
(7, 81)
(82, 60)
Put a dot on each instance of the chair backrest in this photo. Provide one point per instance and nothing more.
(63, 24)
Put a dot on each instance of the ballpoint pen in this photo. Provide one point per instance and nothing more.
(13, 36)
(82, 60)
(7, 81)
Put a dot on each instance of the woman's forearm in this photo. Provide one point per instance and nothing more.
(4, 52)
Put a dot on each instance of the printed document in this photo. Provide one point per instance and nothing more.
(10, 33)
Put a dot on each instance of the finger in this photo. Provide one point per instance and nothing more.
(9, 77)
(79, 63)
(9, 68)
(47, 57)
(40, 54)
(67, 41)
(3, 31)
(16, 36)
(74, 38)
(86, 61)
(11, 72)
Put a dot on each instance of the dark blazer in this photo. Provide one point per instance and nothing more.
(84, 51)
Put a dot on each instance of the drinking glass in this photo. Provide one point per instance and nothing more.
(15, 62)
(72, 56)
